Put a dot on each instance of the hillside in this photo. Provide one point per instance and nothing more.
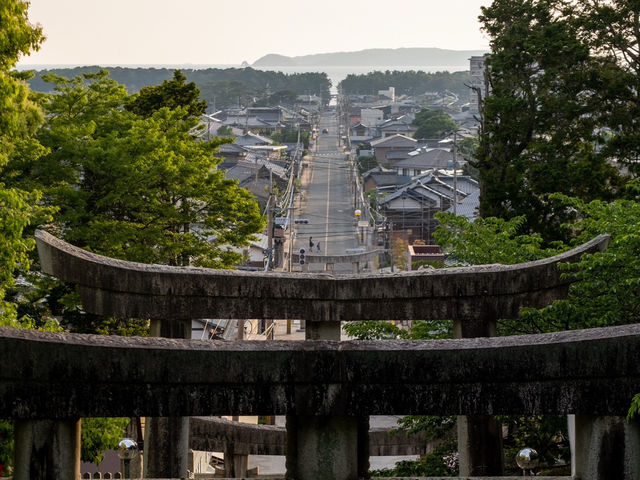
(383, 57)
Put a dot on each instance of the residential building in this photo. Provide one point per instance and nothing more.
(381, 177)
(394, 142)
(423, 161)
(477, 82)
(389, 93)
(251, 140)
(398, 126)
(258, 175)
(371, 116)
(411, 208)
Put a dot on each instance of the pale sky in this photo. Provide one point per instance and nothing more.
(120, 32)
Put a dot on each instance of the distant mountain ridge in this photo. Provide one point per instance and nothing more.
(382, 57)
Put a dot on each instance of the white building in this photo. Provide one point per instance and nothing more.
(390, 93)
(476, 65)
(371, 117)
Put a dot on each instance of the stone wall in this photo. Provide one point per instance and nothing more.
(49, 375)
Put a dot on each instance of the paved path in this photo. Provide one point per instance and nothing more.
(327, 199)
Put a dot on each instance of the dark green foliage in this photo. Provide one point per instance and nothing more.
(366, 163)
(546, 434)
(490, 240)
(171, 94)
(20, 117)
(218, 87)
(420, 330)
(100, 434)
(132, 187)
(373, 330)
(542, 125)
(6, 448)
(467, 147)
(406, 82)
(634, 409)
(283, 97)
(291, 136)
(17, 36)
(432, 124)
(431, 465)
(225, 131)
(608, 289)
(434, 427)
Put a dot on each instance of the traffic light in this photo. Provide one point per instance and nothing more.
(299, 221)
(302, 258)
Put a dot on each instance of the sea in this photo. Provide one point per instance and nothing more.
(335, 73)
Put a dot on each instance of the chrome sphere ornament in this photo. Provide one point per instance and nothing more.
(127, 449)
(527, 458)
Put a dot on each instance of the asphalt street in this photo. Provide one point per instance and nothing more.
(327, 198)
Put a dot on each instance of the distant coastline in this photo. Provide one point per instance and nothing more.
(374, 57)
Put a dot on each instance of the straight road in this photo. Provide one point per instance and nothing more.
(327, 199)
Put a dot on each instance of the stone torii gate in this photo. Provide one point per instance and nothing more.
(325, 387)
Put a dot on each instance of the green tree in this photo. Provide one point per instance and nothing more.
(171, 94)
(611, 31)
(542, 124)
(225, 131)
(366, 163)
(410, 82)
(283, 97)
(140, 188)
(291, 136)
(607, 288)
(19, 118)
(490, 240)
(432, 124)
(100, 434)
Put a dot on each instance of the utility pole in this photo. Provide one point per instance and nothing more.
(455, 173)
(270, 205)
(391, 244)
(292, 233)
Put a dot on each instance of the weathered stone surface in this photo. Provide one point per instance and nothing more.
(127, 289)
(322, 447)
(607, 448)
(47, 449)
(51, 375)
(213, 434)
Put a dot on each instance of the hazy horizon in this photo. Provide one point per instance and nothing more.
(202, 32)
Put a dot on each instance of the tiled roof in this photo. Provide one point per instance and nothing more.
(394, 141)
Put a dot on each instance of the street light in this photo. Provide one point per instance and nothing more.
(127, 450)
(527, 459)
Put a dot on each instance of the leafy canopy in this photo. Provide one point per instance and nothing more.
(19, 119)
(140, 188)
(432, 124)
(172, 94)
(553, 115)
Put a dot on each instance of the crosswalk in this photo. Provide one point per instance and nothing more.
(336, 153)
